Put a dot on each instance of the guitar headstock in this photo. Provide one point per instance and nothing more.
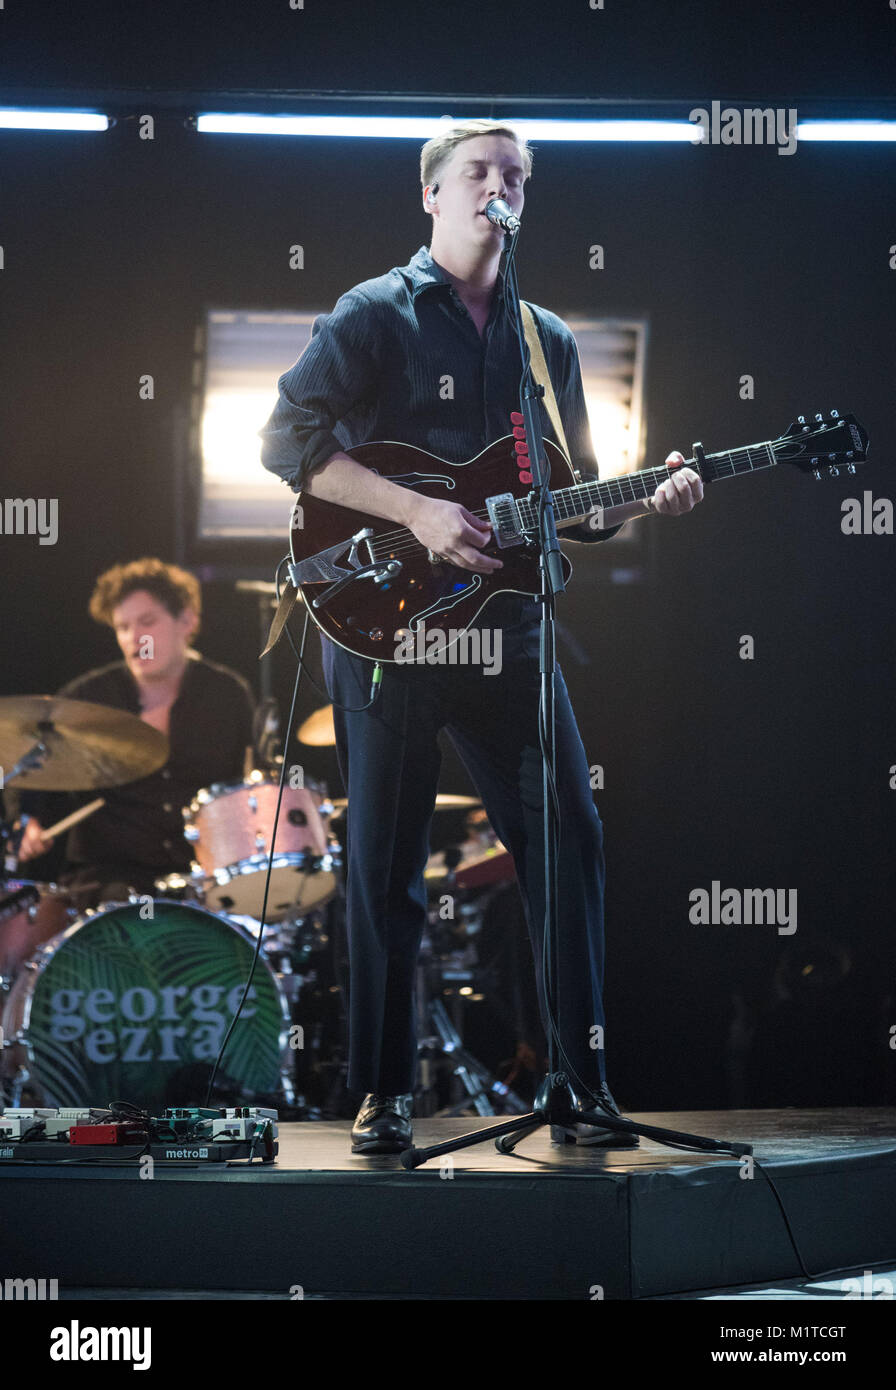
(835, 442)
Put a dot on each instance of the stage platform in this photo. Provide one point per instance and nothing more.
(542, 1223)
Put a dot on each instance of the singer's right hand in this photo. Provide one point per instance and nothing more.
(449, 530)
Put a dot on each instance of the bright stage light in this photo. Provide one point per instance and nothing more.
(16, 118)
(424, 127)
(375, 127)
(604, 130)
(846, 130)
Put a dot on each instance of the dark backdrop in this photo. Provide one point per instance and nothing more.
(765, 773)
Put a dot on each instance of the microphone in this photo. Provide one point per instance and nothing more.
(502, 215)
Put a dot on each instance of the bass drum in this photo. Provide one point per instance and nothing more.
(132, 1003)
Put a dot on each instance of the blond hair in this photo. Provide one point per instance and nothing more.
(442, 146)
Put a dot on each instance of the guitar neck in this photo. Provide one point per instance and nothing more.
(573, 504)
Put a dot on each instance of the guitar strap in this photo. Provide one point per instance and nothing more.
(542, 376)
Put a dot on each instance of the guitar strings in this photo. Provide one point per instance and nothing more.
(405, 541)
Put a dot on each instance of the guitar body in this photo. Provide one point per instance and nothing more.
(372, 619)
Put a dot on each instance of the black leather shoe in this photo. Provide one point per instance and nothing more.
(580, 1133)
(383, 1125)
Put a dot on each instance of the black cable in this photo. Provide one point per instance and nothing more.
(818, 1274)
(267, 880)
(127, 1110)
(346, 709)
(777, 1196)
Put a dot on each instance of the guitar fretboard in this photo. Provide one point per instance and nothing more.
(575, 503)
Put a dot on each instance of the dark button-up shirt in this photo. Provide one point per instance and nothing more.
(139, 833)
(400, 358)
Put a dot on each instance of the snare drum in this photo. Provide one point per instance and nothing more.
(230, 829)
(132, 1003)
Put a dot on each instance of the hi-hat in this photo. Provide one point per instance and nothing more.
(75, 745)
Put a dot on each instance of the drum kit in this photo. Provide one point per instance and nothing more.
(131, 1000)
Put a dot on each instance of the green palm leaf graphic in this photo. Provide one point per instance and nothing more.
(183, 968)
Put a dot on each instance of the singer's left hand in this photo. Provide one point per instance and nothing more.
(681, 492)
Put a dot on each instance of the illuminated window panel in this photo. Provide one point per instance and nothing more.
(245, 354)
(612, 355)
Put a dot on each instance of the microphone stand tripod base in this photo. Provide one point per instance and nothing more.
(556, 1103)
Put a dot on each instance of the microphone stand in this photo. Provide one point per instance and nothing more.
(556, 1101)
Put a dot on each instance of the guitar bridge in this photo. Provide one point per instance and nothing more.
(504, 517)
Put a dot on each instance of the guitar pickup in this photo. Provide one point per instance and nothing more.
(504, 517)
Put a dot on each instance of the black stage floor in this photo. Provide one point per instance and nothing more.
(544, 1222)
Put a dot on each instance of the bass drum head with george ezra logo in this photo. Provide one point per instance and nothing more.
(132, 1002)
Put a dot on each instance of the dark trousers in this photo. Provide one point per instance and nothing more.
(390, 759)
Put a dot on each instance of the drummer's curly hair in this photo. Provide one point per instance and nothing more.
(172, 586)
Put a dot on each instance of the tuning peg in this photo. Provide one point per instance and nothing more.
(834, 471)
(801, 419)
(835, 414)
(850, 468)
(819, 417)
(816, 474)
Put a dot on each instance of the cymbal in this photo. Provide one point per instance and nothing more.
(445, 801)
(318, 729)
(87, 745)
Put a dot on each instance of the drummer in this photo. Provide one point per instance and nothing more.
(206, 711)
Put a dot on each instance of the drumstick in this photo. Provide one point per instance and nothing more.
(68, 821)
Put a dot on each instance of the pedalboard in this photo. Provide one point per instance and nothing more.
(181, 1134)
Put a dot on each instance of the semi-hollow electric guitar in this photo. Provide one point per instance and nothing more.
(371, 586)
